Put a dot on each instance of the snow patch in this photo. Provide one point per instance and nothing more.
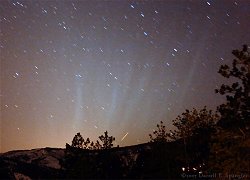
(21, 176)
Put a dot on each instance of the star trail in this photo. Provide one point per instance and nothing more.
(121, 66)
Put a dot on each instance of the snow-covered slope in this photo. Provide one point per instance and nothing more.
(22, 164)
(47, 157)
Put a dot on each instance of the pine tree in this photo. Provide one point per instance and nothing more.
(192, 123)
(106, 140)
(236, 111)
(97, 145)
(194, 128)
(159, 135)
(86, 143)
(231, 143)
(77, 141)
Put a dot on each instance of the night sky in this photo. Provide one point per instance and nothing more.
(122, 66)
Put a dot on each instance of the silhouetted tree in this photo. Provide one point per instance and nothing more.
(236, 111)
(91, 146)
(159, 135)
(86, 143)
(77, 141)
(106, 140)
(194, 128)
(193, 122)
(158, 157)
(97, 145)
(231, 143)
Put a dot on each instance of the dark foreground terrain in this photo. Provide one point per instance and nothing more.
(150, 160)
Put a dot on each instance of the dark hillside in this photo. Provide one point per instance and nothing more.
(148, 160)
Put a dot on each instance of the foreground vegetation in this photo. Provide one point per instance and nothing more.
(203, 143)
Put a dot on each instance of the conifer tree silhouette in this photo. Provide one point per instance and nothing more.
(77, 141)
(106, 140)
(236, 111)
(159, 135)
(230, 148)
